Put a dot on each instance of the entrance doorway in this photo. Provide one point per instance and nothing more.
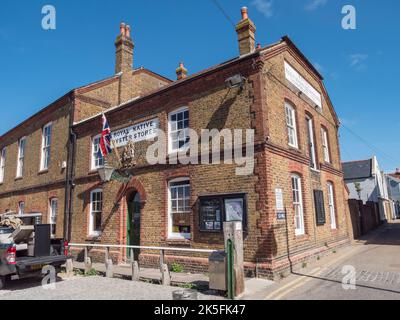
(133, 224)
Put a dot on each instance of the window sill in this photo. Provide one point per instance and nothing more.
(18, 178)
(315, 170)
(181, 242)
(44, 171)
(94, 238)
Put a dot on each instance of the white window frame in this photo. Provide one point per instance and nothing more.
(53, 208)
(291, 125)
(313, 155)
(92, 232)
(298, 207)
(331, 204)
(21, 157)
(182, 133)
(21, 207)
(97, 161)
(46, 147)
(325, 145)
(174, 235)
(3, 155)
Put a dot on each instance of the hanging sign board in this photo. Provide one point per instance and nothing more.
(302, 84)
(138, 132)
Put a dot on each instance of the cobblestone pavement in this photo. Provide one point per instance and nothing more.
(89, 288)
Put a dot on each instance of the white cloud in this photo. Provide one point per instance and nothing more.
(315, 4)
(263, 6)
(357, 61)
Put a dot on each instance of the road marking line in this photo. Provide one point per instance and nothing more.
(294, 282)
(306, 277)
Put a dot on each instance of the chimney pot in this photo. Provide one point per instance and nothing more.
(245, 14)
(122, 28)
(128, 31)
(181, 71)
(246, 30)
(258, 46)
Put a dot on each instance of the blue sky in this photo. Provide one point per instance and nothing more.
(360, 66)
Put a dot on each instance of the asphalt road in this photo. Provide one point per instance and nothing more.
(374, 264)
(89, 288)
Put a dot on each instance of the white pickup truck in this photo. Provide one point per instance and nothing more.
(27, 247)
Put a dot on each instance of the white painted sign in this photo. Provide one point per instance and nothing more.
(279, 200)
(138, 132)
(302, 84)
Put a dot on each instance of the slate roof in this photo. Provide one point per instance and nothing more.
(357, 169)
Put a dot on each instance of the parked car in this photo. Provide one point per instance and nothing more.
(26, 247)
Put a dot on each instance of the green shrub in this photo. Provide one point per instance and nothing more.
(177, 268)
(91, 273)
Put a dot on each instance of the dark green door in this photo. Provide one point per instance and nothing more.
(133, 224)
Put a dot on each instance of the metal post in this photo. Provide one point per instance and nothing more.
(233, 234)
(230, 274)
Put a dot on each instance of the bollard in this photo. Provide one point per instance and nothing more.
(165, 276)
(69, 269)
(88, 261)
(109, 264)
(185, 295)
(135, 271)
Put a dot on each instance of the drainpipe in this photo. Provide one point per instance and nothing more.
(70, 174)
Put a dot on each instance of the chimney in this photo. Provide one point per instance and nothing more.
(246, 30)
(124, 50)
(181, 71)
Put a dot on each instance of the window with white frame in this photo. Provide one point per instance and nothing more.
(291, 125)
(325, 145)
(21, 207)
(46, 146)
(179, 209)
(311, 143)
(2, 164)
(178, 126)
(97, 157)
(298, 205)
(53, 216)
(331, 203)
(21, 157)
(96, 210)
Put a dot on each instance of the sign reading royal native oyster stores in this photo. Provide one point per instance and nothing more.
(297, 80)
(138, 132)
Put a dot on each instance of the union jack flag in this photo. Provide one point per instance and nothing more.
(105, 140)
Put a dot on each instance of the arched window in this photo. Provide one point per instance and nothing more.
(96, 211)
(298, 205)
(291, 125)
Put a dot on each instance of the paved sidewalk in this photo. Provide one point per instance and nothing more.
(90, 288)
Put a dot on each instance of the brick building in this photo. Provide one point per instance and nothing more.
(37, 155)
(293, 204)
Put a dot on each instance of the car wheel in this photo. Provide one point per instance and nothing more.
(2, 282)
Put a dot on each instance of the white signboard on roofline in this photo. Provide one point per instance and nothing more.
(302, 84)
(138, 132)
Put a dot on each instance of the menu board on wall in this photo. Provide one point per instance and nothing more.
(210, 214)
